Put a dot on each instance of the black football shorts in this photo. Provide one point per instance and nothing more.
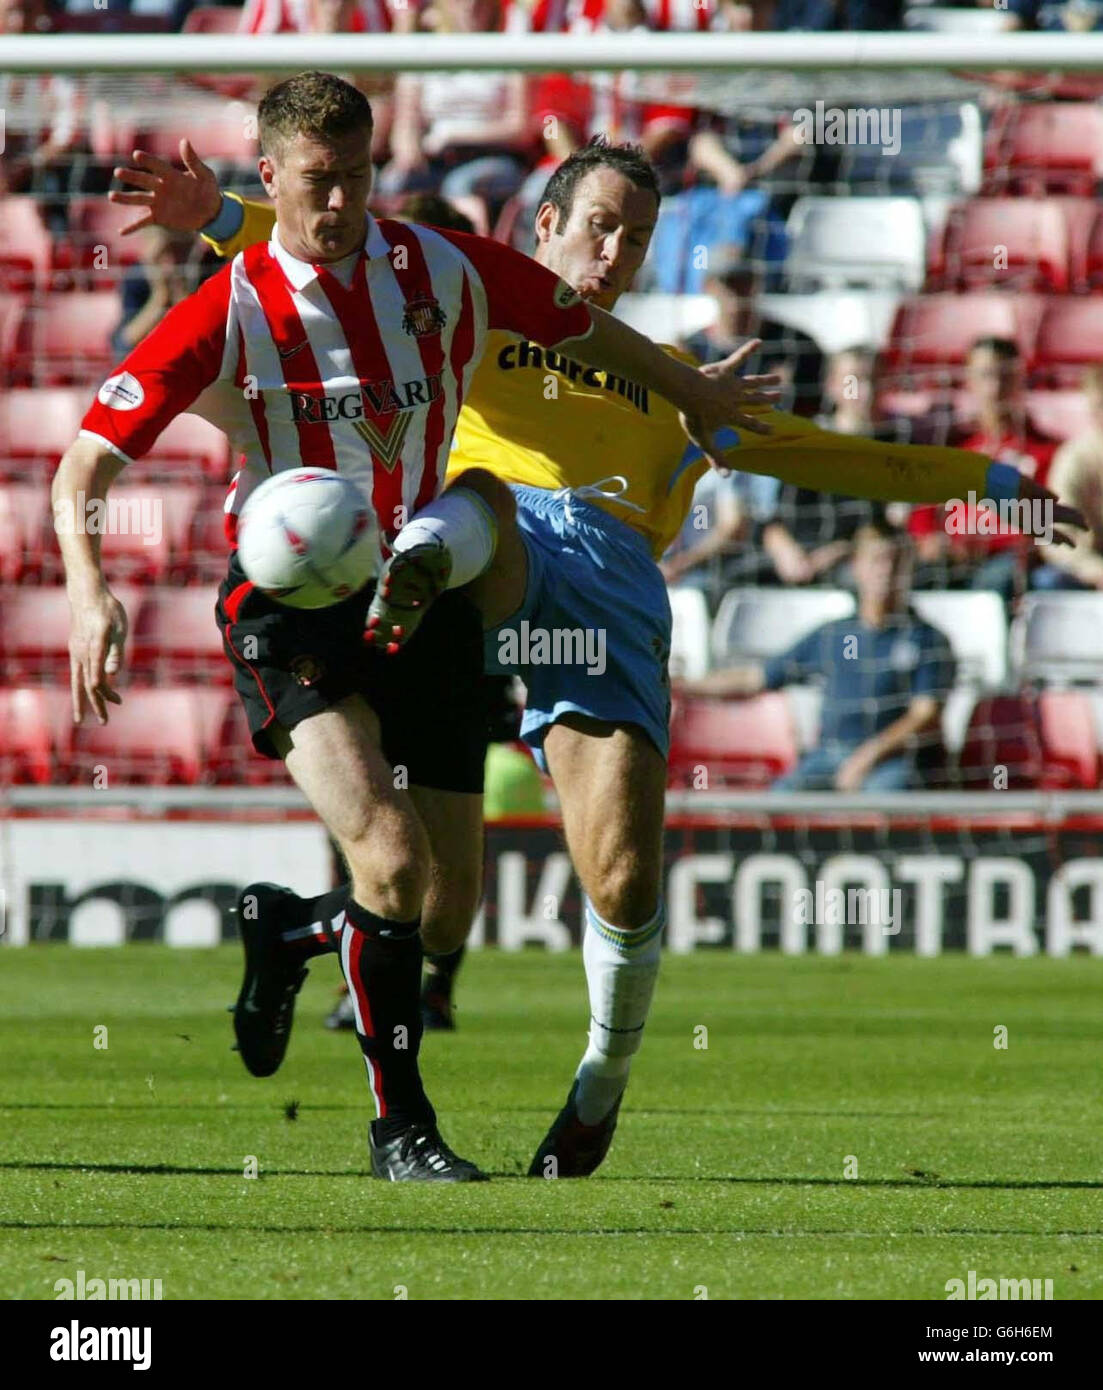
(429, 696)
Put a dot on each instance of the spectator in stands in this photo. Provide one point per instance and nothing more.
(785, 350)
(150, 289)
(719, 544)
(995, 382)
(338, 17)
(886, 674)
(823, 16)
(1076, 476)
(464, 132)
(431, 210)
(1075, 17)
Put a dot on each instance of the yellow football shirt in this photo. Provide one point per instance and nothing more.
(541, 417)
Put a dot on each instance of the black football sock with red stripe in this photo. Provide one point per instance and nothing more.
(440, 973)
(381, 962)
(314, 927)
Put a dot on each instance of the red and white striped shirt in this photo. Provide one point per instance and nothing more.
(369, 380)
(293, 16)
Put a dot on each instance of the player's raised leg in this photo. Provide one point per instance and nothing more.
(444, 545)
(611, 782)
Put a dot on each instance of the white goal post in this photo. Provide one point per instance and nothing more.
(83, 53)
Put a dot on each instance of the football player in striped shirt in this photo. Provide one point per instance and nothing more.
(582, 554)
(348, 342)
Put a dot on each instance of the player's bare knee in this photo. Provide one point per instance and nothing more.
(390, 879)
(625, 892)
(492, 490)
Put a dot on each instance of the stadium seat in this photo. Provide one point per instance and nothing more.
(1058, 638)
(236, 762)
(188, 447)
(153, 738)
(932, 334)
(176, 637)
(689, 643)
(35, 734)
(943, 19)
(1067, 728)
(1060, 414)
(26, 248)
(38, 426)
(1044, 147)
(737, 743)
(34, 634)
(12, 309)
(148, 531)
(1030, 234)
(65, 339)
(856, 241)
(1002, 734)
(25, 540)
(975, 625)
(208, 548)
(754, 624)
(1067, 340)
(95, 223)
(225, 132)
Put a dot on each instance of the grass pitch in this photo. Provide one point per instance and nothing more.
(729, 1171)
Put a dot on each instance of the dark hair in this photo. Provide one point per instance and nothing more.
(879, 528)
(1005, 348)
(311, 103)
(597, 153)
(434, 211)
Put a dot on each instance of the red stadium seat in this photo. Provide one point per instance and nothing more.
(1060, 414)
(176, 637)
(1044, 147)
(189, 447)
(209, 550)
(34, 634)
(1002, 747)
(1067, 728)
(221, 131)
(932, 334)
(155, 737)
(66, 339)
(35, 734)
(12, 309)
(1021, 243)
(236, 762)
(97, 246)
(25, 537)
(743, 743)
(38, 426)
(26, 248)
(1068, 340)
(147, 532)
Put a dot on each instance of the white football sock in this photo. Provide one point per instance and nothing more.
(621, 969)
(464, 524)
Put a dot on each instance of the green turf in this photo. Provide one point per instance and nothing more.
(728, 1170)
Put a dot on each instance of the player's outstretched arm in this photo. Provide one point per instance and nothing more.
(183, 200)
(709, 401)
(99, 623)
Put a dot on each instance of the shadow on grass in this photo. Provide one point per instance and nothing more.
(941, 1184)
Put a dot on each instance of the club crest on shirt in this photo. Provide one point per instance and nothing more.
(423, 316)
(307, 670)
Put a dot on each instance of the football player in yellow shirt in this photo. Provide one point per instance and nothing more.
(574, 601)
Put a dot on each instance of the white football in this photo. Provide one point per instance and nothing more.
(305, 538)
